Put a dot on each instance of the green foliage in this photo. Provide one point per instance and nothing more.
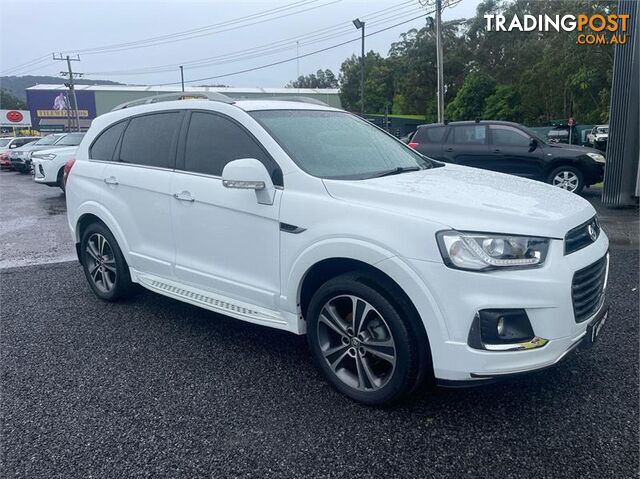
(528, 77)
(321, 79)
(10, 102)
(504, 104)
(469, 102)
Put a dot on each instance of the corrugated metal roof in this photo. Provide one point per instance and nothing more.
(169, 89)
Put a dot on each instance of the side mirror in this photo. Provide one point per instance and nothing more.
(533, 144)
(249, 174)
(13, 145)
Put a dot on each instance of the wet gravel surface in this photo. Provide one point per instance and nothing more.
(155, 388)
(33, 222)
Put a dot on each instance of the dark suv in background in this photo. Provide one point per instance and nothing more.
(510, 148)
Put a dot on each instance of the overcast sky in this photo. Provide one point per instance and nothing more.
(31, 31)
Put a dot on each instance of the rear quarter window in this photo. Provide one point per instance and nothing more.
(433, 134)
(104, 146)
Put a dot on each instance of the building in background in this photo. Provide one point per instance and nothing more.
(50, 107)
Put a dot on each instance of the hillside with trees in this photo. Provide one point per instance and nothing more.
(16, 85)
(528, 77)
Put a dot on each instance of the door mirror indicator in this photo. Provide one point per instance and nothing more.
(249, 174)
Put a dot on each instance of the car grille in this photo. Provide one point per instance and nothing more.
(587, 289)
(581, 236)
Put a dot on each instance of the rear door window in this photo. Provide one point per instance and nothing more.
(150, 140)
(432, 134)
(104, 146)
(213, 141)
(470, 135)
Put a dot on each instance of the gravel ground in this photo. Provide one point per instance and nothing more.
(156, 388)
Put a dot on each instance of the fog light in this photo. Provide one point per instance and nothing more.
(503, 330)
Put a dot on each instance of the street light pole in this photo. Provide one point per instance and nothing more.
(360, 26)
(439, 61)
(182, 77)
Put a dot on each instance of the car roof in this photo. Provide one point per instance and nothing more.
(471, 122)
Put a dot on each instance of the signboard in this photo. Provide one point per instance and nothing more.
(17, 118)
(54, 106)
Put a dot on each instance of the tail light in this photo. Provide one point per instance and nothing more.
(413, 144)
(67, 169)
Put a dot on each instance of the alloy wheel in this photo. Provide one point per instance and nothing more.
(356, 342)
(101, 262)
(567, 180)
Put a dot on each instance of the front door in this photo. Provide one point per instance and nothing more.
(513, 154)
(467, 145)
(226, 242)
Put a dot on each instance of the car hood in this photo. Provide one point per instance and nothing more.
(572, 150)
(61, 150)
(471, 199)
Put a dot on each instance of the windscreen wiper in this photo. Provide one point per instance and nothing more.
(397, 170)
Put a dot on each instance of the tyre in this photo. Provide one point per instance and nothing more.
(361, 341)
(61, 180)
(104, 265)
(568, 178)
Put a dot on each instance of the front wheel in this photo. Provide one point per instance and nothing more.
(361, 341)
(568, 178)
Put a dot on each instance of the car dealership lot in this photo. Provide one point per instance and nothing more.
(159, 388)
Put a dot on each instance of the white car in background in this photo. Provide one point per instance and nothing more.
(598, 136)
(48, 165)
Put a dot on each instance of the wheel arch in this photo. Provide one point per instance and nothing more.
(91, 212)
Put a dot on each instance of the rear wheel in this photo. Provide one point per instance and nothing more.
(361, 341)
(104, 265)
(568, 178)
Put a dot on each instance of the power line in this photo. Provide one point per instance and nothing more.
(296, 57)
(119, 47)
(253, 52)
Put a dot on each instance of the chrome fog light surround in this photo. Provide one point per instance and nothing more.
(503, 330)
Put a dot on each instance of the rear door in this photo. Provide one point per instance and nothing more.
(137, 189)
(467, 145)
(510, 150)
(428, 141)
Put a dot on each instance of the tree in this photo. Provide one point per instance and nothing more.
(504, 104)
(10, 102)
(321, 79)
(378, 85)
(470, 100)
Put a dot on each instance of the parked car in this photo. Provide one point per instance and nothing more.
(21, 157)
(311, 220)
(48, 165)
(13, 142)
(513, 149)
(598, 137)
(561, 134)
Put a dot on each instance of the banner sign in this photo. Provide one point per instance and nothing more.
(17, 118)
(56, 105)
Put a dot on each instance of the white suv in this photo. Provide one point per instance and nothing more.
(308, 219)
(47, 166)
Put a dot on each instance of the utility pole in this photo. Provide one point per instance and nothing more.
(439, 61)
(74, 99)
(182, 77)
(360, 26)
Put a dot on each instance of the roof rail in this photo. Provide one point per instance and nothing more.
(212, 96)
(300, 99)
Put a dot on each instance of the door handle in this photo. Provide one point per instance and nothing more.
(448, 149)
(111, 180)
(496, 150)
(184, 196)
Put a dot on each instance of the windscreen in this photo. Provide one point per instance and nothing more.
(4, 142)
(337, 145)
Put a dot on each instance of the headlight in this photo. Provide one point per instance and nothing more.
(485, 251)
(596, 157)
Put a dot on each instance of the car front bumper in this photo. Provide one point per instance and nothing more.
(544, 293)
(44, 172)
